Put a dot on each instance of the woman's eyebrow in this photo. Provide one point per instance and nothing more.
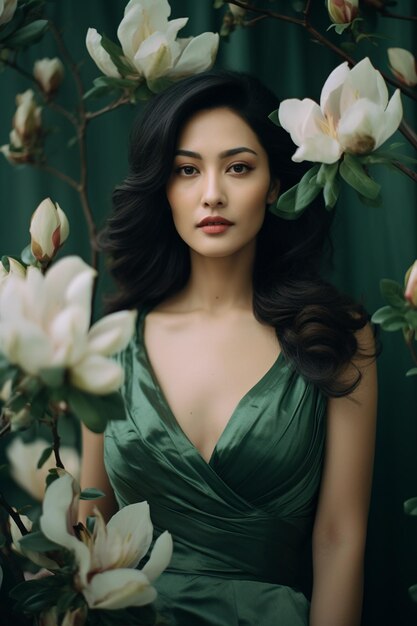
(222, 155)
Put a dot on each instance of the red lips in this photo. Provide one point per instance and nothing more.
(214, 220)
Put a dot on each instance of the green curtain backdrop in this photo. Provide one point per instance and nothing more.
(369, 243)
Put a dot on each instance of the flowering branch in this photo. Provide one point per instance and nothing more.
(306, 24)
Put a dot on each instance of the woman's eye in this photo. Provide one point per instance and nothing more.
(239, 168)
(186, 170)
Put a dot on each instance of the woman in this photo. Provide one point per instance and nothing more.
(250, 387)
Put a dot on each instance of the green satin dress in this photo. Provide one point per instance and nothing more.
(242, 522)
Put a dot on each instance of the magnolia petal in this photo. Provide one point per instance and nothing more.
(55, 521)
(403, 65)
(132, 29)
(411, 284)
(160, 557)
(99, 55)
(68, 335)
(97, 375)
(133, 521)
(44, 222)
(141, 19)
(112, 333)
(320, 148)
(330, 93)
(368, 82)
(32, 348)
(64, 224)
(7, 9)
(298, 118)
(118, 589)
(154, 57)
(198, 56)
(392, 118)
(59, 277)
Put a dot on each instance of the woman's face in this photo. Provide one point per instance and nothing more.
(220, 184)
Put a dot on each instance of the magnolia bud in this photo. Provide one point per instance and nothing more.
(49, 228)
(27, 119)
(49, 74)
(403, 66)
(237, 12)
(20, 420)
(411, 284)
(342, 11)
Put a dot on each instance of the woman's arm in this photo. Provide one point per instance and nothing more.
(93, 474)
(340, 527)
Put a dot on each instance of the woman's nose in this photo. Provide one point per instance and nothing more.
(213, 194)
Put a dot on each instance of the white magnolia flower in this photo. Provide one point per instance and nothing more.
(49, 228)
(24, 457)
(44, 324)
(49, 73)
(7, 9)
(354, 115)
(106, 560)
(403, 65)
(150, 44)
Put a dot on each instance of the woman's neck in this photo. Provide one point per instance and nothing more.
(220, 284)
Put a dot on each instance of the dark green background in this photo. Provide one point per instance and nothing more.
(370, 243)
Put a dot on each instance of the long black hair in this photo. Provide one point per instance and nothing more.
(315, 324)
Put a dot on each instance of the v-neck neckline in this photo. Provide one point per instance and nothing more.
(158, 389)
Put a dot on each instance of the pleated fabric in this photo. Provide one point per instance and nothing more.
(242, 522)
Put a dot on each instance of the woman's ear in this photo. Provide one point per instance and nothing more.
(273, 191)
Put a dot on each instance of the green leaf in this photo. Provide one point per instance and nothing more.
(38, 542)
(410, 506)
(116, 55)
(274, 117)
(45, 456)
(27, 256)
(95, 411)
(413, 592)
(91, 494)
(393, 293)
(353, 173)
(389, 318)
(412, 372)
(218, 4)
(52, 376)
(27, 34)
(331, 193)
(294, 201)
(96, 92)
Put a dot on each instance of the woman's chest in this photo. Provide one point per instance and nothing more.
(205, 371)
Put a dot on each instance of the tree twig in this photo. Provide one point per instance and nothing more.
(409, 172)
(81, 135)
(56, 440)
(13, 514)
(58, 174)
(90, 115)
